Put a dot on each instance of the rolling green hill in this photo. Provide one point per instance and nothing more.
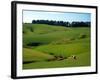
(48, 46)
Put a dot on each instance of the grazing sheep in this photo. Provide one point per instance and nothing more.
(73, 57)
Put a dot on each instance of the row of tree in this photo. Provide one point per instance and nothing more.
(62, 23)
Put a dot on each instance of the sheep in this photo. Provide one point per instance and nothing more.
(73, 57)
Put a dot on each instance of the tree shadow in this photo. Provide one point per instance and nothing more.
(28, 62)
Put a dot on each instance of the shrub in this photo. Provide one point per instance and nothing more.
(81, 36)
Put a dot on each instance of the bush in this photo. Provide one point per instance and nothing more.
(24, 31)
(81, 36)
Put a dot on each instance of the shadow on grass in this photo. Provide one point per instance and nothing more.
(28, 62)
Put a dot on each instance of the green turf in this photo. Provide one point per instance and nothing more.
(82, 60)
(55, 41)
(65, 50)
(60, 33)
(33, 55)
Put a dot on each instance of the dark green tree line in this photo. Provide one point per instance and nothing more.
(63, 23)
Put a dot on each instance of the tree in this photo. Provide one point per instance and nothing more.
(63, 23)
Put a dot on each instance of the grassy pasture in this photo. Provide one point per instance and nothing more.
(33, 55)
(63, 63)
(54, 45)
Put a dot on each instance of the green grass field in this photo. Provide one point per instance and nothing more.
(48, 46)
